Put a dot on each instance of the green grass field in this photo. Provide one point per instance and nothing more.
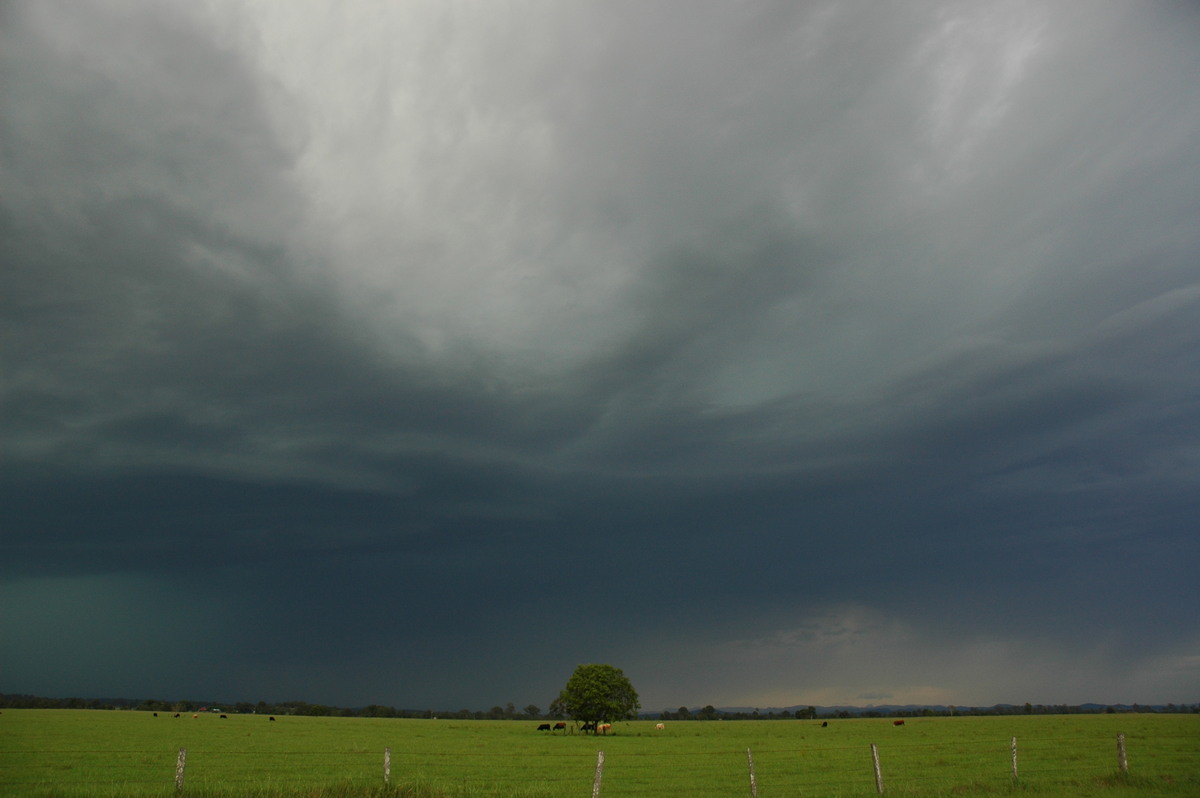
(118, 753)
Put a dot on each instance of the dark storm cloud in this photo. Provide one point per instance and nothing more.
(763, 338)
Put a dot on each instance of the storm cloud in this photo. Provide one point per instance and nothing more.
(776, 353)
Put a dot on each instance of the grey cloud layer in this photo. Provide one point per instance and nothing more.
(770, 312)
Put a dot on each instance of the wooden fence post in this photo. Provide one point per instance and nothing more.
(599, 774)
(1122, 762)
(179, 765)
(1014, 758)
(753, 782)
(878, 772)
(387, 766)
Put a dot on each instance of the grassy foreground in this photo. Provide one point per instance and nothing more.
(125, 753)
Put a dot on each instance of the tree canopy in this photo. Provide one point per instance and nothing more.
(598, 694)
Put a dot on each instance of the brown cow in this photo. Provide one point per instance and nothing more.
(897, 723)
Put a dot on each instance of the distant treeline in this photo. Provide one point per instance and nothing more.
(816, 713)
(531, 712)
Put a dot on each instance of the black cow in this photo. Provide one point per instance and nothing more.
(225, 716)
(176, 714)
(544, 727)
(824, 723)
(271, 718)
(588, 727)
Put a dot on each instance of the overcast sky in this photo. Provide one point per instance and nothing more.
(414, 353)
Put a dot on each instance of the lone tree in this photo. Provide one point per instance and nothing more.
(597, 694)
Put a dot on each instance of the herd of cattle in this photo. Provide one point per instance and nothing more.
(272, 717)
(605, 728)
(598, 728)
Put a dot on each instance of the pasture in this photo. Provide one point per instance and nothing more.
(126, 753)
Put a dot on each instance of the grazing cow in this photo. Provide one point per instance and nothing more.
(176, 714)
(156, 714)
(660, 726)
(588, 727)
(824, 724)
(271, 718)
(195, 716)
(604, 728)
(560, 725)
(225, 716)
(897, 723)
(544, 727)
